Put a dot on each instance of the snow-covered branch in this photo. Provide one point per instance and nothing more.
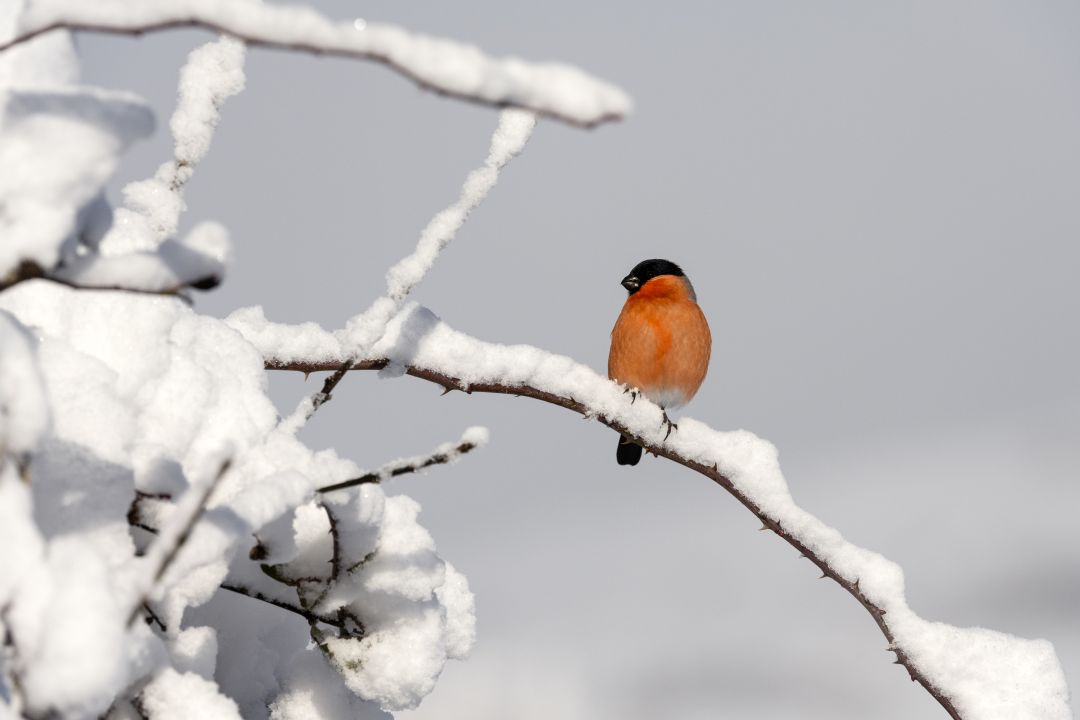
(957, 666)
(512, 133)
(136, 247)
(443, 66)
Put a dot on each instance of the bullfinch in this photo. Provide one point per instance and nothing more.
(661, 343)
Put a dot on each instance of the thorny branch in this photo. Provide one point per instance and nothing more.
(448, 382)
(252, 39)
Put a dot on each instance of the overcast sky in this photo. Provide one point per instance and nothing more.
(877, 204)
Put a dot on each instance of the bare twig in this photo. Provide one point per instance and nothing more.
(152, 617)
(448, 382)
(335, 555)
(171, 552)
(253, 39)
(324, 396)
(402, 467)
(295, 609)
(135, 510)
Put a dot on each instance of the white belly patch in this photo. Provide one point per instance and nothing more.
(666, 398)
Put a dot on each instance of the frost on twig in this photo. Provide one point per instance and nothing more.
(151, 214)
(473, 438)
(974, 673)
(509, 139)
(444, 66)
(141, 251)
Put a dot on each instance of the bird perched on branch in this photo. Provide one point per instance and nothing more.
(661, 343)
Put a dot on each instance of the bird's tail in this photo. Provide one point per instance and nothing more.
(629, 452)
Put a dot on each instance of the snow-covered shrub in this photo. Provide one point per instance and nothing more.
(169, 548)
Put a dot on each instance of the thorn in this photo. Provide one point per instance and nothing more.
(446, 390)
(306, 375)
(801, 556)
(897, 662)
(823, 576)
(763, 527)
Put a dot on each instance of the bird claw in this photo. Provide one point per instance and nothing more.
(670, 425)
(633, 394)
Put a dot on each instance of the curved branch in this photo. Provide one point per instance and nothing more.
(505, 83)
(449, 382)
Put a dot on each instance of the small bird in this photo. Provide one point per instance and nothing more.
(660, 344)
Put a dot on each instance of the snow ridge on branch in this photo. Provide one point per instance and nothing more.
(509, 139)
(141, 251)
(444, 66)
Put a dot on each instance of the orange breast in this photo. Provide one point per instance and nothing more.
(661, 343)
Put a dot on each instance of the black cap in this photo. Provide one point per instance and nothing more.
(646, 270)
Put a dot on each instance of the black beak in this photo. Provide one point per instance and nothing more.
(631, 283)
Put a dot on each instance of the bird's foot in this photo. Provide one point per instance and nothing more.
(670, 425)
(633, 394)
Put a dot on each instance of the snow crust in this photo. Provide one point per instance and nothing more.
(445, 65)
